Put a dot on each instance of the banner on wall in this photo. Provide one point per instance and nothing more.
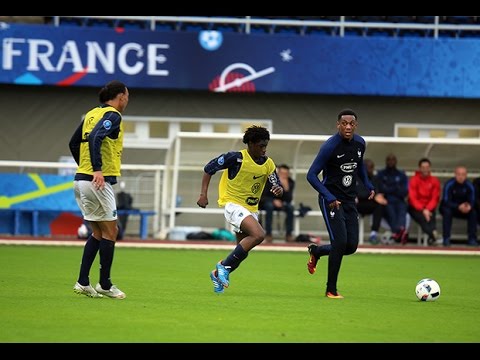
(51, 194)
(236, 62)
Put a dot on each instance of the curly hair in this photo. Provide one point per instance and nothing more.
(256, 134)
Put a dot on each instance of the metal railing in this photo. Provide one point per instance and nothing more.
(248, 21)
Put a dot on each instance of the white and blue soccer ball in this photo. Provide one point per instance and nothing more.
(427, 290)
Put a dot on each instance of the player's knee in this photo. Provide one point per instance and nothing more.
(258, 237)
(111, 233)
(350, 249)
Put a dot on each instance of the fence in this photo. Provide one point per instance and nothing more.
(171, 189)
(143, 182)
(433, 26)
(191, 151)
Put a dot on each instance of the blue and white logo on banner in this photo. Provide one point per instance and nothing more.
(210, 40)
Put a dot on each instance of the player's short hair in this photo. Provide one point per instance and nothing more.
(347, 112)
(256, 134)
(111, 90)
(422, 160)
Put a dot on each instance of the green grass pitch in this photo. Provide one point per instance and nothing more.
(272, 298)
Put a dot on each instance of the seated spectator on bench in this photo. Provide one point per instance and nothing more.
(393, 184)
(124, 202)
(458, 200)
(270, 203)
(375, 206)
(476, 185)
(423, 198)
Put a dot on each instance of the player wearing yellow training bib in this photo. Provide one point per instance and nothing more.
(245, 174)
(96, 145)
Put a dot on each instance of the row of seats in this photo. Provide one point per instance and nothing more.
(290, 29)
(457, 20)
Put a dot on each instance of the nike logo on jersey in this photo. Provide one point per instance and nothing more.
(340, 156)
(257, 177)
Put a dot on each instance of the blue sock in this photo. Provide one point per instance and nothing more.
(107, 248)
(235, 258)
(89, 252)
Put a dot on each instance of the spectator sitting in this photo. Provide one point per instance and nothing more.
(372, 207)
(393, 183)
(124, 202)
(476, 185)
(458, 200)
(423, 198)
(269, 202)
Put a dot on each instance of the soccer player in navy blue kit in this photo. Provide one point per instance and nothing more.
(340, 160)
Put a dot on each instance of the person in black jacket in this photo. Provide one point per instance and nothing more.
(375, 206)
(476, 185)
(124, 202)
(270, 203)
(393, 184)
(458, 200)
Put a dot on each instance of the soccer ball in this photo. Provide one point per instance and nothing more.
(82, 231)
(427, 290)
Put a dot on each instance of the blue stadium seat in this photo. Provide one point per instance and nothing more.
(67, 21)
(282, 29)
(448, 33)
(413, 33)
(469, 33)
(354, 31)
(101, 23)
(321, 31)
(229, 28)
(195, 27)
(260, 29)
(377, 32)
(133, 24)
(165, 26)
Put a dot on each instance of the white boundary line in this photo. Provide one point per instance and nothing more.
(202, 246)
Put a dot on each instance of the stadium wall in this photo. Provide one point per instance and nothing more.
(37, 121)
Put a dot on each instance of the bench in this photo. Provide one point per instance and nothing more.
(296, 221)
(144, 214)
(414, 228)
(35, 215)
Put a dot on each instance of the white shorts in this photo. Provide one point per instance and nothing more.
(95, 205)
(235, 214)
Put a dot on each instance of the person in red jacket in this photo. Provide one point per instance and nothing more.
(423, 198)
